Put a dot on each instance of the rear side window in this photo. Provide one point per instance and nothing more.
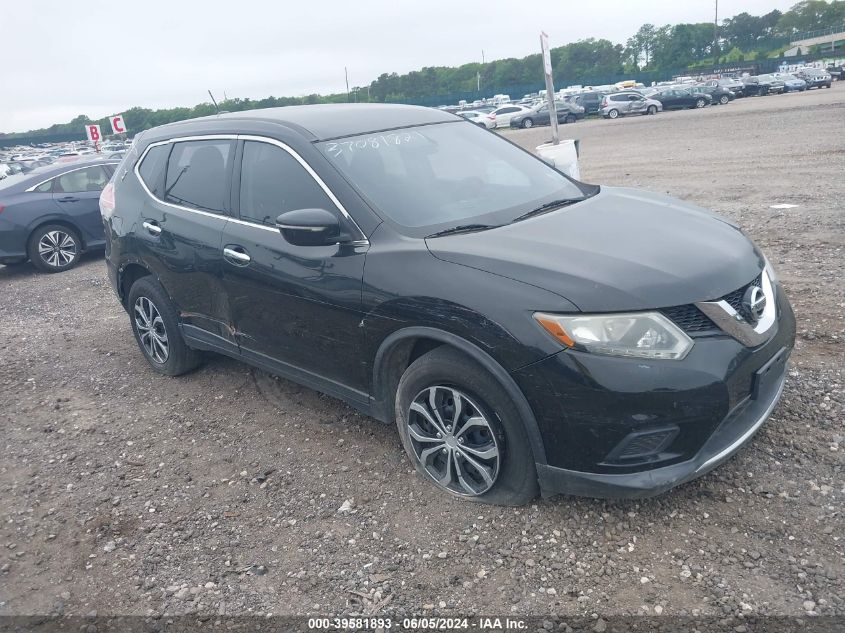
(45, 187)
(90, 179)
(152, 169)
(198, 175)
(273, 182)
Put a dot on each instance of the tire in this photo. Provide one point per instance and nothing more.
(613, 114)
(511, 476)
(527, 123)
(570, 118)
(724, 99)
(161, 343)
(700, 103)
(652, 109)
(54, 248)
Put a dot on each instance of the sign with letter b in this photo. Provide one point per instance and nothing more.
(93, 132)
(117, 124)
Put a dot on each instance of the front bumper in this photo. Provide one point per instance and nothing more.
(730, 436)
(597, 414)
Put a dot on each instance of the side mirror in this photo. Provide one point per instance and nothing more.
(310, 227)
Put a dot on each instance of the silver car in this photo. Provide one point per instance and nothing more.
(622, 103)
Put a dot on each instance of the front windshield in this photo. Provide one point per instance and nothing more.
(433, 177)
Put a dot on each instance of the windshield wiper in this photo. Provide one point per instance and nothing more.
(549, 206)
(463, 228)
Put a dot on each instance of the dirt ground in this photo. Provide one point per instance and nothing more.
(228, 491)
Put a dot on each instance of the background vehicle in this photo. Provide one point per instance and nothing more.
(728, 83)
(677, 98)
(539, 115)
(791, 83)
(718, 94)
(762, 85)
(590, 100)
(622, 103)
(505, 113)
(51, 215)
(479, 118)
(815, 77)
(836, 72)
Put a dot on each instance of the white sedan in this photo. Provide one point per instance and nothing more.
(479, 118)
(505, 113)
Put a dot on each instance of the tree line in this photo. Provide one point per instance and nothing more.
(651, 49)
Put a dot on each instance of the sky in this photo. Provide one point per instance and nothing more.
(98, 58)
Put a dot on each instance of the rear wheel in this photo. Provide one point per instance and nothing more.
(613, 114)
(54, 248)
(570, 118)
(527, 123)
(700, 103)
(156, 328)
(462, 431)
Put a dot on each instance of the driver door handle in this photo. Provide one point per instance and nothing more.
(236, 255)
(152, 227)
(69, 199)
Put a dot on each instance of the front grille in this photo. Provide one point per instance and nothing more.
(735, 298)
(693, 321)
(690, 319)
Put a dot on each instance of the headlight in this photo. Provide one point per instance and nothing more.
(635, 334)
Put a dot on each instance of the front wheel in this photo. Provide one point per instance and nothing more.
(463, 432)
(156, 328)
(527, 123)
(54, 248)
(613, 114)
(652, 109)
(700, 103)
(724, 99)
(570, 118)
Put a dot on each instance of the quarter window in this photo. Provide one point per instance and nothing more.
(273, 182)
(44, 187)
(90, 179)
(198, 175)
(153, 167)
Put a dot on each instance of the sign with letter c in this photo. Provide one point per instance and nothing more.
(117, 124)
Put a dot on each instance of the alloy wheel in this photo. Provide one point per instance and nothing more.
(453, 441)
(57, 249)
(151, 330)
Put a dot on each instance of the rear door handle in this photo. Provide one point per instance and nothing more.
(236, 255)
(152, 227)
(69, 199)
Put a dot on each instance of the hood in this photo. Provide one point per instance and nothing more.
(622, 249)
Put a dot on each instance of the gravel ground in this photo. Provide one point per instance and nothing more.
(228, 491)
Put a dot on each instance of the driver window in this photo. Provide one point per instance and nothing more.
(273, 182)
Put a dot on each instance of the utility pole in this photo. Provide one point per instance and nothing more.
(346, 74)
(716, 36)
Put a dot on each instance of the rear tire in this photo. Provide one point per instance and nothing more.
(54, 248)
(442, 446)
(613, 114)
(570, 118)
(156, 327)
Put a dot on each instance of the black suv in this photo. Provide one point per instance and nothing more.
(524, 331)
